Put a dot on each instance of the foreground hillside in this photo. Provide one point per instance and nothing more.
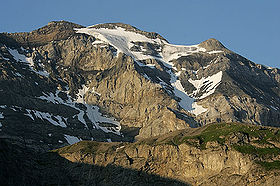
(218, 154)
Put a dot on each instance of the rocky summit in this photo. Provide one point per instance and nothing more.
(113, 83)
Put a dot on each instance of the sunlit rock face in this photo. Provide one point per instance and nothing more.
(64, 83)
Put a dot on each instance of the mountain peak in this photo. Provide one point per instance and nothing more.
(53, 31)
(61, 22)
(189, 85)
(58, 26)
(212, 44)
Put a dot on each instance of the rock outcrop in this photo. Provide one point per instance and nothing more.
(221, 154)
(218, 154)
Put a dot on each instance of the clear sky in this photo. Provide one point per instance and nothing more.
(248, 27)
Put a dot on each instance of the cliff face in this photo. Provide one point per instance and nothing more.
(64, 83)
(207, 156)
(218, 154)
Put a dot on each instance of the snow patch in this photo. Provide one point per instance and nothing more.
(171, 52)
(92, 112)
(28, 60)
(147, 65)
(215, 52)
(186, 101)
(197, 109)
(29, 114)
(18, 74)
(54, 98)
(207, 85)
(273, 107)
(81, 94)
(124, 40)
(71, 139)
(20, 57)
(55, 120)
(98, 42)
(120, 39)
(147, 77)
(1, 117)
(42, 73)
(95, 116)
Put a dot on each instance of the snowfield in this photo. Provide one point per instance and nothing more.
(123, 40)
(120, 39)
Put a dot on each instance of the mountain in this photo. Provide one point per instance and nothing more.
(143, 111)
(64, 83)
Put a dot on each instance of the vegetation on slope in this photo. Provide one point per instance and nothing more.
(254, 140)
(262, 143)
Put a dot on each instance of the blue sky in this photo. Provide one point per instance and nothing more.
(248, 27)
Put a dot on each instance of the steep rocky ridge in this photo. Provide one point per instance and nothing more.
(54, 31)
(65, 79)
(218, 154)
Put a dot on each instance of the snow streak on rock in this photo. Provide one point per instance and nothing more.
(95, 116)
(124, 40)
(27, 60)
(53, 119)
(91, 112)
(1, 117)
(206, 86)
(186, 101)
(71, 139)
